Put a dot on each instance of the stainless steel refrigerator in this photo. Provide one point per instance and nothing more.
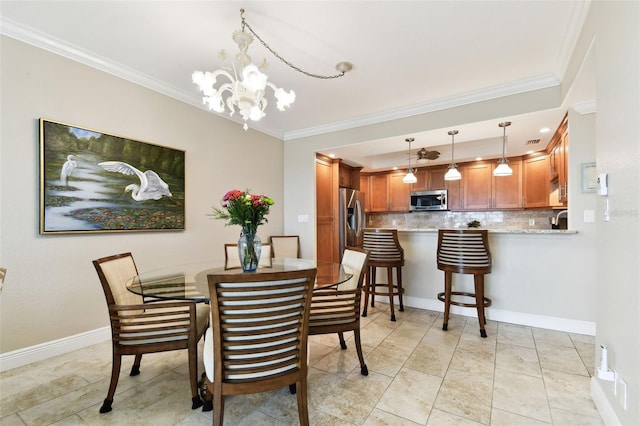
(351, 218)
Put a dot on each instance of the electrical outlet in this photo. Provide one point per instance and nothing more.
(394, 222)
(532, 222)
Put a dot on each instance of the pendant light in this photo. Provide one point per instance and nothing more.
(503, 168)
(452, 173)
(409, 177)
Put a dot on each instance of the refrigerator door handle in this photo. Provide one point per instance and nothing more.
(358, 215)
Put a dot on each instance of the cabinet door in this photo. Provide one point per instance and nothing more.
(326, 229)
(398, 194)
(563, 169)
(364, 187)
(422, 174)
(378, 184)
(436, 178)
(536, 181)
(454, 194)
(476, 184)
(507, 190)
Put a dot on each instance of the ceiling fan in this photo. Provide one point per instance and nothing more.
(424, 155)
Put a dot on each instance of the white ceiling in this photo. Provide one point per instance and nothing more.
(408, 57)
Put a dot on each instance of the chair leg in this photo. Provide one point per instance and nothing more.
(356, 337)
(390, 286)
(208, 399)
(343, 344)
(115, 374)
(218, 409)
(478, 281)
(448, 276)
(367, 284)
(301, 396)
(400, 289)
(196, 402)
(135, 368)
(372, 286)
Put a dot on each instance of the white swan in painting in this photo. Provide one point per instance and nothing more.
(67, 168)
(151, 187)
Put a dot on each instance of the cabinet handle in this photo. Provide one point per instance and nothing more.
(559, 192)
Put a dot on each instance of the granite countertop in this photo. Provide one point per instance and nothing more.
(501, 231)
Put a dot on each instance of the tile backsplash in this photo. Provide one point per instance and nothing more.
(517, 219)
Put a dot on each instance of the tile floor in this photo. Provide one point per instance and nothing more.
(418, 375)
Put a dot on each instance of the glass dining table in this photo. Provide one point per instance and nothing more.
(189, 281)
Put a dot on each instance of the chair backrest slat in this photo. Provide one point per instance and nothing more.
(383, 246)
(260, 323)
(465, 251)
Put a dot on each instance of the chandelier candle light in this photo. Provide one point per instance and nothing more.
(409, 177)
(452, 173)
(503, 168)
(246, 92)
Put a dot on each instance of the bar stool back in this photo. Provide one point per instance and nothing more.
(464, 251)
(384, 252)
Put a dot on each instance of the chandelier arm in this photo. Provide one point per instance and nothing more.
(323, 77)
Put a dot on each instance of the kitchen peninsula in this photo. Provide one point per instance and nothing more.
(530, 283)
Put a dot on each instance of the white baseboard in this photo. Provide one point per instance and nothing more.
(46, 350)
(605, 409)
(520, 318)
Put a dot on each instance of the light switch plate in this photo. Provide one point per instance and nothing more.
(303, 218)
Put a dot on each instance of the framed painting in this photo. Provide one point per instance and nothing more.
(91, 181)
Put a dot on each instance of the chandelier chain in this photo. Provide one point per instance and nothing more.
(324, 77)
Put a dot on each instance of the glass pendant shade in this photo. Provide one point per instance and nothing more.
(453, 173)
(502, 169)
(409, 177)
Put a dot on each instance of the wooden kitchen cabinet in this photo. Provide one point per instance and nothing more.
(429, 178)
(559, 162)
(535, 185)
(364, 187)
(379, 189)
(483, 191)
(506, 191)
(385, 192)
(326, 210)
(476, 185)
(398, 193)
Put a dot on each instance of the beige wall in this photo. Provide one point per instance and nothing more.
(618, 154)
(52, 290)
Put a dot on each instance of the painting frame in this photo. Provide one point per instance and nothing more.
(97, 182)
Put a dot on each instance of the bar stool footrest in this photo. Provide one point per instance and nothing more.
(487, 301)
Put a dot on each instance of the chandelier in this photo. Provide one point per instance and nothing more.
(245, 91)
(409, 177)
(453, 173)
(503, 168)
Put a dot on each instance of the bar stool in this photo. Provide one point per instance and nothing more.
(464, 251)
(384, 252)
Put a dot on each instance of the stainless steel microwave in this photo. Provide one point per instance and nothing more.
(428, 200)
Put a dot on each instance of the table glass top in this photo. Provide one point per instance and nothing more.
(189, 281)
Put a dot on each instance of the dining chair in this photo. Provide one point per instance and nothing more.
(258, 336)
(464, 251)
(232, 257)
(285, 246)
(139, 328)
(338, 310)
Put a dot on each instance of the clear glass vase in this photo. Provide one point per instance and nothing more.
(249, 251)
